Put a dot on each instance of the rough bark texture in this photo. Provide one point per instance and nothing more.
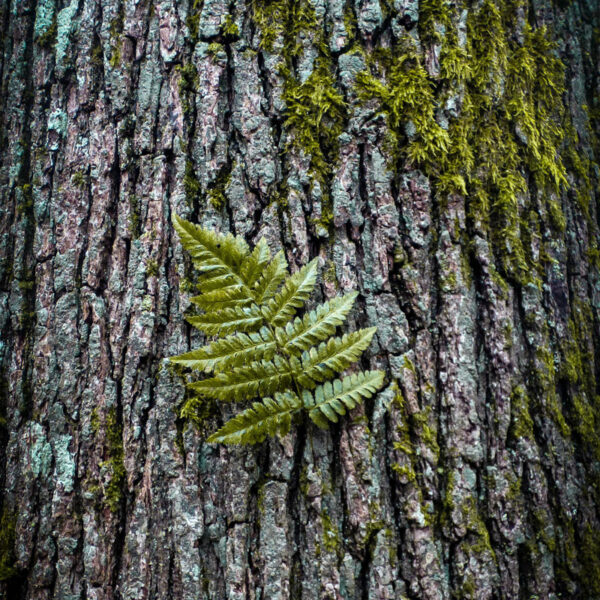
(476, 472)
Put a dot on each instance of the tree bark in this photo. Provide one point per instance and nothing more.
(476, 472)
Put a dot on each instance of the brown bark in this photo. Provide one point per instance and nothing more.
(474, 474)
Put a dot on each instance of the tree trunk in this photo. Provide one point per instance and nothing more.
(437, 156)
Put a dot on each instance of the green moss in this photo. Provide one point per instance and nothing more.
(8, 522)
(79, 179)
(331, 536)
(434, 18)
(329, 273)
(48, 38)
(214, 49)
(191, 185)
(24, 199)
(589, 554)
(113, 489)
(200, 411)
(217, 189)
(193, 20)
(188, 84)
(229, 28)
(115, 31)
(521, 426)
(510, 114)
(151, 268)
(545, 384)
(399, 82)
(315, 111)
(315, 114)
(135, 216)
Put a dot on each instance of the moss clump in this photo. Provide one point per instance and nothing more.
(8, 522)
(399, 82)
(229, 29)
(331, 536)
(48, 38)
(135, 216)
(79, 180)
(508, 112)
(521, 425)
(113, 489)
(590, 561)
(191, 185)
(151, 268)
(193, 20)
(315, 114)
(217, 189)
(188, 84)
(315, 110)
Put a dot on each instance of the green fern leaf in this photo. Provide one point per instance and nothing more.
(272, 277)
(316, 325)
(253, 266)
(211, 250)
(266, 418)
(319, 364)
(234, 295)
(210, 282)
(228, 320)
(249, 303)
(217, 256)
(294, 293)
(229, 303)
(257, 379)
(234, 350)
(334, 398)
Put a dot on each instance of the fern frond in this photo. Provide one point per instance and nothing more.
(234, 350)
(332, 399)
(217, 256)
(228, 320)
(316, 325)
(211, 249)
(271, 279)
(253, 266)
(257, 379)
(210, 282)
(319, 364)
(294, 293)
(249, 302)
(234, 295)
(271, 416)
(230, 303)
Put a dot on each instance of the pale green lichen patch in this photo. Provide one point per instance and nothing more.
(64, 462)
(64, 22)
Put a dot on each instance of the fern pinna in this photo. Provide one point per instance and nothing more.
(260, 350)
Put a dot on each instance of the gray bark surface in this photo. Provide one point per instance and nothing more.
(474, 474)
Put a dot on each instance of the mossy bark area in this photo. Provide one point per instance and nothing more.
(441, 158)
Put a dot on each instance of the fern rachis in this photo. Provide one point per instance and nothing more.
(262, 349)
